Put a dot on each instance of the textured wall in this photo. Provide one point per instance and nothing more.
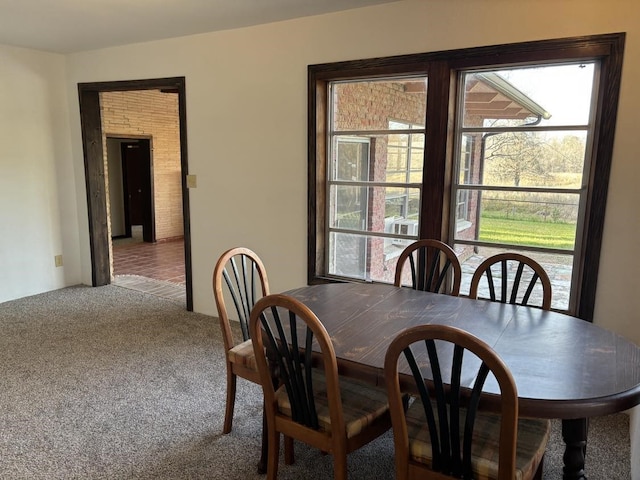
(151, 113)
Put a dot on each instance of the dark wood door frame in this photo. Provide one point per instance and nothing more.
(90, 120)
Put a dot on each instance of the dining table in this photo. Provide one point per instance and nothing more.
(564, 367)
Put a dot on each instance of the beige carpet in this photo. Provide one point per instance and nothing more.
(111, 383)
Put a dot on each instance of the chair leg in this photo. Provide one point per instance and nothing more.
(274, 454)
(288, 451)
(264, 450)
(340, 466)
(231, 400)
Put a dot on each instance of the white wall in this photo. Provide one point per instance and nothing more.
(246, 110)
(38, 217)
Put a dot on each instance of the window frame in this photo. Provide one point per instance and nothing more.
(442, 70)
(579, 192)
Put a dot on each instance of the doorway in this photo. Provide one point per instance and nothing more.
(131, 191)
(93, 146)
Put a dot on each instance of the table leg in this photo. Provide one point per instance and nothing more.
(574, 434)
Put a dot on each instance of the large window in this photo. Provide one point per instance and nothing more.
(513, 153)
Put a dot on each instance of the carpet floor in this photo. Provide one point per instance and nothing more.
(111, 383)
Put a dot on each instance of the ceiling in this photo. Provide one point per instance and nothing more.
(67, 26)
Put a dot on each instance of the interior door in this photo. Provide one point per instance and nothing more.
(137, 175)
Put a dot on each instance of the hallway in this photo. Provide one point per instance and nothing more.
(156, 268)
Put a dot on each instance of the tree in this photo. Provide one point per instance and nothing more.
(514, 157)
(566, 154)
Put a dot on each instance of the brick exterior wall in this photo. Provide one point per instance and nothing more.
(151, 113)
(469, 233)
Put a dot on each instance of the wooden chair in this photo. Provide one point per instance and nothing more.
(241, 274)
(517, 290)
(451, 437)
(430, 261)
(311, 403)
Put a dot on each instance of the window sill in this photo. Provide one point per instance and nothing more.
(463, 225)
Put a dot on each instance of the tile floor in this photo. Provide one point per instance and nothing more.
(156, 268)
(559, 273)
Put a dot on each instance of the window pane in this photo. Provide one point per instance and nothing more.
(373, 209)
(525, 158)
(347, 255)
(558, 267)
(543, 95)
(371, 258)
(534, 219)
(394, 158)
(352, 159)
(371, 105)
(350, 207)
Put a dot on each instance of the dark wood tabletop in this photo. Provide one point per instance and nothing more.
(564, 367)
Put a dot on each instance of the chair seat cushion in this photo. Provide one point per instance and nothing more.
(362, 404)
(533, 435)
(242, 354)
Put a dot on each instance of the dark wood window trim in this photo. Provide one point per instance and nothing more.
(441, 68)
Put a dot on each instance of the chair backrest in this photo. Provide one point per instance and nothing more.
(516, 279)
(241, 276)
(431, 261)
(430, 354)
(285, 330)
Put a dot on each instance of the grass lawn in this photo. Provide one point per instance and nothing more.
(526, 232)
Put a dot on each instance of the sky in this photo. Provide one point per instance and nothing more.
(563, 90)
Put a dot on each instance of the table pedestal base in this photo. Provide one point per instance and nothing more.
(574, 434)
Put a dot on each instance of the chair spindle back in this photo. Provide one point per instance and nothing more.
(449, 396)
(514, 289)
(431, 262)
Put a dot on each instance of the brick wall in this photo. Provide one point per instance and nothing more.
(151, 113)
